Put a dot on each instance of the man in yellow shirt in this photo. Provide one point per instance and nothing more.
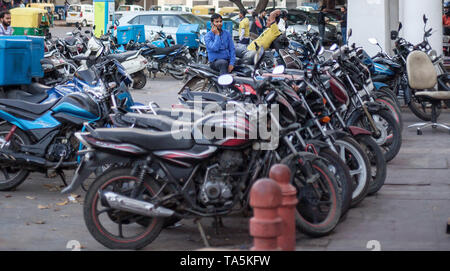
(244, 28)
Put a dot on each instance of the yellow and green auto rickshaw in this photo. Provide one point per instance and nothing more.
(30, 21)
(203, 10)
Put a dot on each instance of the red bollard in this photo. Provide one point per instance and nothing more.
(282, 174)
(265, 226)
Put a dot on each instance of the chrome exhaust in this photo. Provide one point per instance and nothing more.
(127, 204)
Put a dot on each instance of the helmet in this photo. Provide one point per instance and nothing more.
(94, 46)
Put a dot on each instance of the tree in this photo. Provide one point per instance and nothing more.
(262, 4)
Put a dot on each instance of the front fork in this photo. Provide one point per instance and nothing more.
(9, 135)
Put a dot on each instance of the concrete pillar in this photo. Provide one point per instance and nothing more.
(369, 19)
(411, 13)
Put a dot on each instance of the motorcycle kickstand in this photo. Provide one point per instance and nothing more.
(202, 232)
(63, 177)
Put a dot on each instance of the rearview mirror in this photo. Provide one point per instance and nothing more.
(350, 32)
(116, 22)
(394, 35)
(77, 25)
(425, 19)
(373, 41)
(400, 26)
(278, 69)
(225, 80)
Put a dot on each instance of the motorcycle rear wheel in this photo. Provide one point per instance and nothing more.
(120, 180)
(12, 177)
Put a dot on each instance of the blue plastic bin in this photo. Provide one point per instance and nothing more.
(186, 37)
(130, 32)
(227, 25)
(37, 53)
(15, 61)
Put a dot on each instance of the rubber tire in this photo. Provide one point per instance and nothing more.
(419, 113)
(141, 80)
(19, 179)
(376, 159)
(196, 84)
(344, 180)
(393, 151)
(181, 61)
(302, 225)
(390, 93)
(393, 108)
(362, 195)
(92, 194)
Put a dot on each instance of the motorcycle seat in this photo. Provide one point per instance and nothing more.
(167, 50)
(36, 109)
(204, 96)
(70, 41)
(122, 56)
(182, 114)
(37, 88)
(26, 96)
(148, 140)
(247, 59)
(158, 122)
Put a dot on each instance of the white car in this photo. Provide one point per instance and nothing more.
(82, 14)
(130, 8)
(154, 21)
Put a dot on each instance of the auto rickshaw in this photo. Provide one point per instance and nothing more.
(203, 10)
(49, 7)
(229, 11)
(30, 21)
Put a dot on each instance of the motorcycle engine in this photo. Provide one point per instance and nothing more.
(61, 148)
(153, 66)
(218, 184)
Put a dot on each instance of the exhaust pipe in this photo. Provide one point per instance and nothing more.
(119, 202)
(30, 161)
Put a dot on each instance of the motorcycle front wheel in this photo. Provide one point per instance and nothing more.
(139, 80)
(179, 65)
(116, 229)
(319, 204)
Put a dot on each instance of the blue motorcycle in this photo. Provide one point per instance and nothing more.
(40, 137)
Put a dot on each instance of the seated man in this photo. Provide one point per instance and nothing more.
(220, 47)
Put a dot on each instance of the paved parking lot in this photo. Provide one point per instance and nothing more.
(409, 213)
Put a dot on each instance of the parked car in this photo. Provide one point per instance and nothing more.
(82, 14)
(130, 8)
(154, 21)
(299, 20)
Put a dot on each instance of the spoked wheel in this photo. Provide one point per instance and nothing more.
(320, 204)
(12, 176)
(118, 229)
(356, 159)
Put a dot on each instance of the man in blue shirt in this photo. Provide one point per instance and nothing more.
(220, 47)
